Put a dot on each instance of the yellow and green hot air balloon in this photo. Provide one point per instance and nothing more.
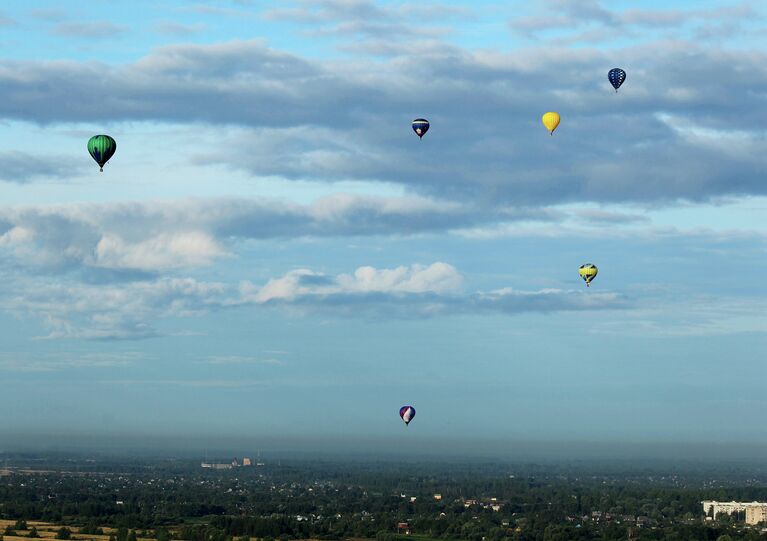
(588, 272)
(551, 121)
(101, 148)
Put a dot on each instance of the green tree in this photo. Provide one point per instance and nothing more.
(64, 533)
(33, 532)
(132, 535)
(20, 525)
(9, 530)
(383, 535)
(92, 528)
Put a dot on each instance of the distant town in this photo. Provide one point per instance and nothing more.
(246, 462)
(95, 498)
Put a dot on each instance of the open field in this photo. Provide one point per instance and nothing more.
(47, 530)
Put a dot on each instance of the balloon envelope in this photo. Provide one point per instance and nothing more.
(588, 272)
(551, 121)
(616, 77)
(101, 148)
(407, 413)
(420, 126)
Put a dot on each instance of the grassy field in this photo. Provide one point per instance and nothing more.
(47, 530)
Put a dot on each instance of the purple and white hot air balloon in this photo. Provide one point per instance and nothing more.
(407, 413)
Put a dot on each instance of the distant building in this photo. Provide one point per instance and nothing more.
(403, 527)
(646, 522)
(756, 512)
(438, 497)
(246, 462)
(214, 466)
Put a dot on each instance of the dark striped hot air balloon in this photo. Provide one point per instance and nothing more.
(101, 148)
(616, 77)
(420, 127)
(407, 413)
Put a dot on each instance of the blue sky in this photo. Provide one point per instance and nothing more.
(272, 254)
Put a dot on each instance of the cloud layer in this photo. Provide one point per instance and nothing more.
(128, 311)
(329, 120)
(192, 233)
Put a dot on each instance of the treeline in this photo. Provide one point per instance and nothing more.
(341, 501)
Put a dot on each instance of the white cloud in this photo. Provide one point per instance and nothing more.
(239, 360)
(435, 278)
(164, 251)
(56, 362)
(124, 311)
(608, 24)
(692, 315)
(90, 29)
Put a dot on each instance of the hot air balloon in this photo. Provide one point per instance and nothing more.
(616, 77)
(407, 413)
(588, 272)
(551, 121)
(420, 127)
(101, 148)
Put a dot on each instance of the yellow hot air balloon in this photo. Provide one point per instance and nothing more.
(551, 121)
(588, 272)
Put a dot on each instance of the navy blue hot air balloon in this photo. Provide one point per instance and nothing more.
(420, 126)
(407, 413)
(616, 76)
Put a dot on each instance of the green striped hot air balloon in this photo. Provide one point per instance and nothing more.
(101, 148)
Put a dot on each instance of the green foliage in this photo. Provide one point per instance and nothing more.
(63, 533)
(122, 534)
(385, 536)
(92, 528)
(33, 533)
(20, 525)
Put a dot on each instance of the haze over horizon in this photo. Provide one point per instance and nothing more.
(272, 254)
